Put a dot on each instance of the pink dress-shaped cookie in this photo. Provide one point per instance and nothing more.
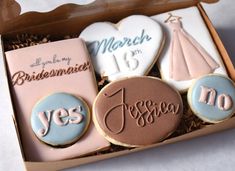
(188, 59)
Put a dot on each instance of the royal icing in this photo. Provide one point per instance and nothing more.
(188, 59)
(61, 66)
(189, 50)
(20, 77)
(58, 114)
(60, 119)
(131, 115)
(212, 98)
(128, 48)
(150, 108)
(207, 95)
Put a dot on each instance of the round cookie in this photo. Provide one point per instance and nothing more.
(212, 98)
(60, 119)
(128, 48)
(137, 111)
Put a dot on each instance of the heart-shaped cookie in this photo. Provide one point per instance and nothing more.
(128, 48)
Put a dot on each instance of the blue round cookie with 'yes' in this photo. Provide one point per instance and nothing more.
(212, 98)
(60, 119)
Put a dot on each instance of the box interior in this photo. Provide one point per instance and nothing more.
(76, 17)
(113, 12)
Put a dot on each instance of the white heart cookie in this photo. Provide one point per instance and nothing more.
(128, 48)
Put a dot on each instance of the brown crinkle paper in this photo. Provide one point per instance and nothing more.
(189, 122)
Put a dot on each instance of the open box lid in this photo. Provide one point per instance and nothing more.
(19, 14)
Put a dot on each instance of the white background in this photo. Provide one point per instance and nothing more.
(214, 152)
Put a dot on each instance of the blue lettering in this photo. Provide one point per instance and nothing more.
(143, 37)
(111, 44)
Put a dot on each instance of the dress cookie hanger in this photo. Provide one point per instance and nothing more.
(188, 59)
(172, 18)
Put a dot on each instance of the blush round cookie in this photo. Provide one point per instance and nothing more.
(137, 111)
(128, 48)
(60, 119)
(212, 98)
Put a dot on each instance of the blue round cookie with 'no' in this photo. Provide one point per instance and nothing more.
(60, 119)
(212, 98)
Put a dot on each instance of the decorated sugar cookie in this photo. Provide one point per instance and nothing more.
(188, 59)
(189, 51)
(61, 66)
(60, 119)
(212, 98)
(128, 48)
(137, 111)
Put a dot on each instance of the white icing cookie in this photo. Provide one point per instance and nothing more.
(128, 48)
(194, 34)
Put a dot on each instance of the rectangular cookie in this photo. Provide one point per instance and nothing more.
(25, 66)
(196, 29)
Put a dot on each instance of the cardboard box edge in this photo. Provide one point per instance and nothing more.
(5, 81)
(85, 160)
